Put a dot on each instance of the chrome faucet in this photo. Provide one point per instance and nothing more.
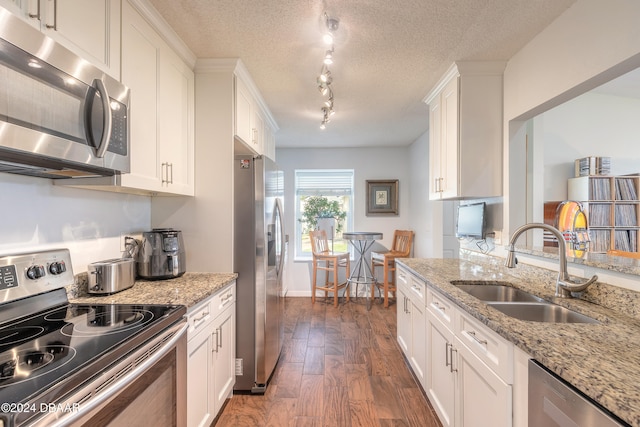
(565, 284)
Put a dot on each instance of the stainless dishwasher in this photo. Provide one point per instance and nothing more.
(553, 402)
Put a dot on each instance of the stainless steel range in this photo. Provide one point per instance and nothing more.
(77, 364)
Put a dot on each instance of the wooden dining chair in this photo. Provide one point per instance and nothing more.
(401, 248)
(324, 259)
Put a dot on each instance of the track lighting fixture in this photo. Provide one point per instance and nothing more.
(325, 79)
(332, 23)
(328, 57)
(329, 101)
(325, 75)
(326, 113)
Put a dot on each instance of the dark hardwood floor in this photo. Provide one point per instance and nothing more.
(339, 367)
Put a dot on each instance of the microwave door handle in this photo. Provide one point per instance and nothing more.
(106, 131)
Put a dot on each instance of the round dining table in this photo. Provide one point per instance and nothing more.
(362, 273)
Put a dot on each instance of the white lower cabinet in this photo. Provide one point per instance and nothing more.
(404, 321)
(210, 356)
(483, 399)
(470, 368)
(440, 378)
(224, 350)
(411, 315)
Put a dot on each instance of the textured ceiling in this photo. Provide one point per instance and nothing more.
(388, 55)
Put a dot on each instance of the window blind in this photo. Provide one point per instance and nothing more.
(328, 182)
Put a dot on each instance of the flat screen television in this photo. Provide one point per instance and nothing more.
(470, 221)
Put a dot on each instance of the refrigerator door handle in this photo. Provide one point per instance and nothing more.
(280, 229)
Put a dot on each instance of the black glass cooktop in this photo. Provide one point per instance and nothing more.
(70, 343)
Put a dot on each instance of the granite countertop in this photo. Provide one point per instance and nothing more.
(601, 360)
(591, 259)
(188, 290)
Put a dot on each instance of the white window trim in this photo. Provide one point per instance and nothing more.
(319, 191)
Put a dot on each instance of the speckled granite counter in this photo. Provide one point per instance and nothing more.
(602, 360)
(590, 259)
(188, 289)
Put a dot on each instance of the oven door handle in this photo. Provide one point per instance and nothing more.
(94, 403)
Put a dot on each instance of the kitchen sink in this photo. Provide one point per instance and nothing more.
(541, 312)
(496, 292)
(520, 304)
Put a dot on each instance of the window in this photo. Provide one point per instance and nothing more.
(335, 185)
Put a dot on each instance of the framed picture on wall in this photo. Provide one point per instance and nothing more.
(382, 197)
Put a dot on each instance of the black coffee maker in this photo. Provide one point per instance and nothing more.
(161, 254)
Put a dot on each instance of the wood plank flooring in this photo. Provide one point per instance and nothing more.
(339, 367)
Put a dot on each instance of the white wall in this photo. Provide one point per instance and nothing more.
(425, 216)
(206, 220)
(591, 43)
(37, 215)
(368, 163)
(592, 124)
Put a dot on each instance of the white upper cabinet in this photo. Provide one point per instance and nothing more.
(141, 57)
(162, 102)
(465, 132)
(176, 118)
(253, 124)
(244, 112)
(89, 28)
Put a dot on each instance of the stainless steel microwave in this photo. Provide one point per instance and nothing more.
(60, 116)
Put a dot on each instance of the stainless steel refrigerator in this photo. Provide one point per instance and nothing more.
(259, 248)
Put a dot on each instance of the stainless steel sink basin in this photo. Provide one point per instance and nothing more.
(496, 292)
(541, 312)
(520, 304)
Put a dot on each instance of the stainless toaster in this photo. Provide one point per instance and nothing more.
(112, 275)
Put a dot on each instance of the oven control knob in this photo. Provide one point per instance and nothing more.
(57, 267)
(35, 272)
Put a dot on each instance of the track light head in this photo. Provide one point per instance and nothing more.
(328, 57)
(323, 88)
(332, 23)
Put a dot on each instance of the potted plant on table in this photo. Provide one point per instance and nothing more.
(320, 213)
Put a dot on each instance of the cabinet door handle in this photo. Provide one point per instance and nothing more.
(53, 26)
(35, 15)
(446, 354)
(438, 307)
(472, 334)
(451, 350)
(200, 318)
(167, 173)
(219, 336)
(226, 300)
(215, 344)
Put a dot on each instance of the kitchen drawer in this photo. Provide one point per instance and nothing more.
(418, 291)
(414, 288)
(403, 280)
(491, 348)
(199, 316)
(223, 299)
(441, 307)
